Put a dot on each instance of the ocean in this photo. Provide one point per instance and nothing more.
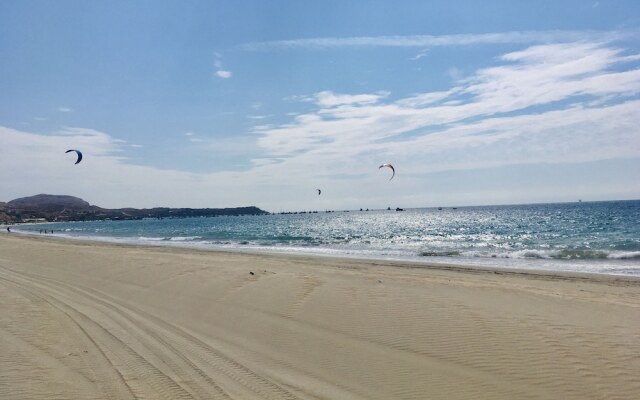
(594, 237)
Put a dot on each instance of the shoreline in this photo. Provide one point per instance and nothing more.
(488, 263)
(94, 320)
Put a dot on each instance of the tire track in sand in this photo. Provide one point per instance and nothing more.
(194, 357)
(140, 375)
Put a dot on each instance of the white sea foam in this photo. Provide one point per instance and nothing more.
(625, 255)
(184, 238)
(150, 239)
(555, 237)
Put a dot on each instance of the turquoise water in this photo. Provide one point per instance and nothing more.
(601, 237)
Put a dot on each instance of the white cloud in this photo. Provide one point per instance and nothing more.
(330, 99)
(90, 140)
(191, 137)
(534, 106)
(64, 109)
(220, 71)
(420, 55)
(491, 118)
(32, 163)
(426, 41)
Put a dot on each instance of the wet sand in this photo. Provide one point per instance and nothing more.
(87, 320)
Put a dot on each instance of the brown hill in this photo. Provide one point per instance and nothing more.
(68, 208)
(50, 203)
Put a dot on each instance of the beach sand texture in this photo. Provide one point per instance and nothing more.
(84, 320)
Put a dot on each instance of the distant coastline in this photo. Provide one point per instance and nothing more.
(61, 208)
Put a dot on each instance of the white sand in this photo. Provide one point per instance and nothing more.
(84, 320)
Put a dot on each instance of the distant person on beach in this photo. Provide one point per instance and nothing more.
(8, 229)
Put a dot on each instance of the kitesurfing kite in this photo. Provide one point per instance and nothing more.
(79, 155)
(319, 191)
(392, 169)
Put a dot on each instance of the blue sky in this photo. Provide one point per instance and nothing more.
(233, 103)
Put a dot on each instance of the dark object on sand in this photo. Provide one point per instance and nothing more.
(251, 273)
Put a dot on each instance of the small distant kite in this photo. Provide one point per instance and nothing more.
(319, 191)
(392, 169)
(77, 152)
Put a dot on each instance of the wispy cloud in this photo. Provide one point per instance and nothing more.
(546, 103)
(191, 137)
(89, 140)
(420, 55)
(330, 99)
(108, 179)
(427, 41)
(64, 109)
(220, 71)
(583, 92)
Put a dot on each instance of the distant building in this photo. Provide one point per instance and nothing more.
(31, 220)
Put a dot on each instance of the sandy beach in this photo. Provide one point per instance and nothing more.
(86, 320)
